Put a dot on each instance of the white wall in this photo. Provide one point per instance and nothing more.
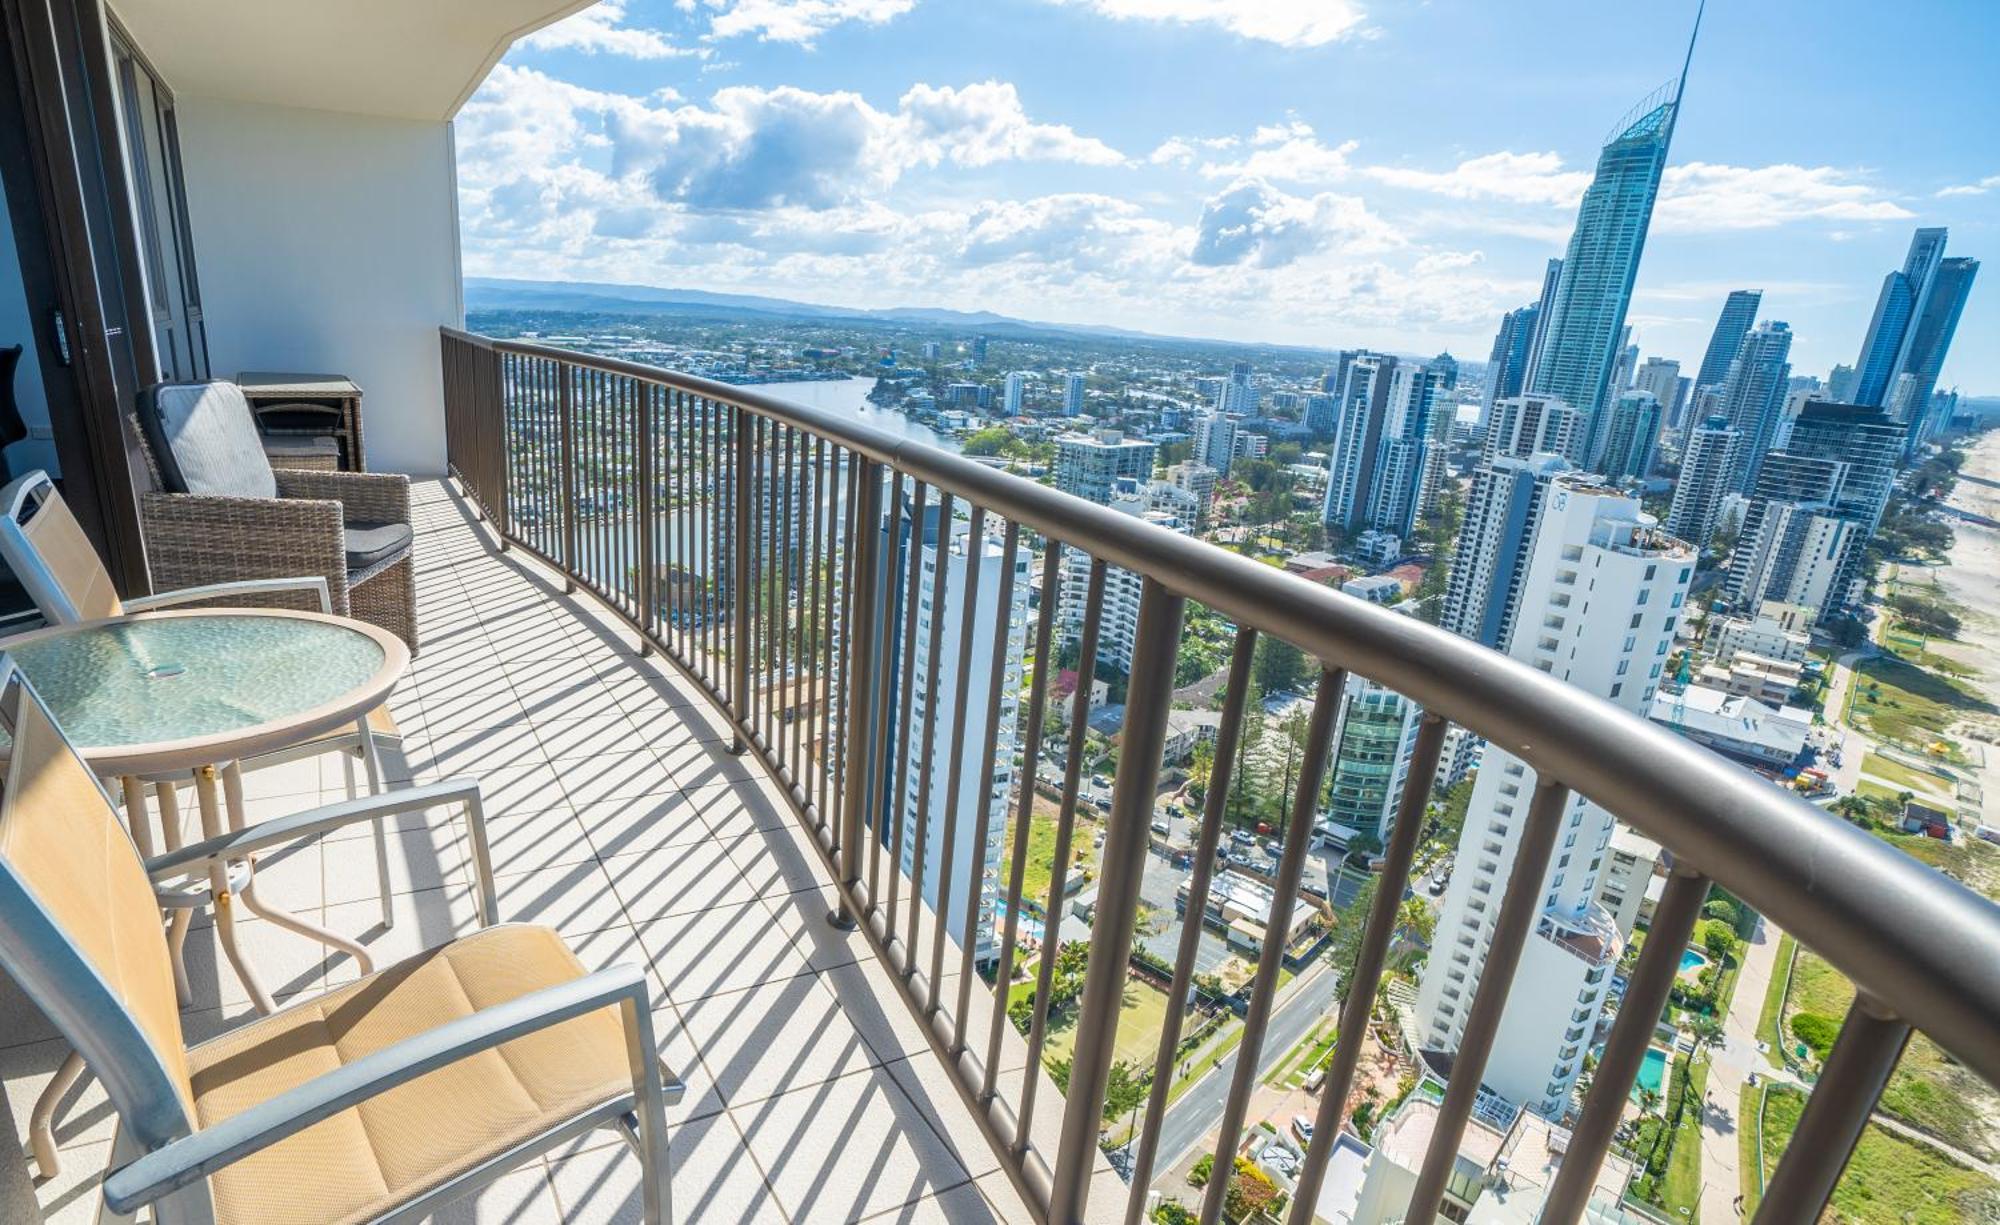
(329, 243)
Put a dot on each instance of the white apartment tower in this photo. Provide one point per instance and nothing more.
(1016, 388)
(1091, 465)
(1214, 437)
(1073, 396)
(1706, 479)
(1601, 596)
(1118, 625)
(976, 812)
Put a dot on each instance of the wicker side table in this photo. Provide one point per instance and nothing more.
(308, 405)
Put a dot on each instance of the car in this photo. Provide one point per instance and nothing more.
(1437, 887)
(1239, 838)
(1302, 1127)
(1162, 829)
(1274, 848)
(1314, 1081)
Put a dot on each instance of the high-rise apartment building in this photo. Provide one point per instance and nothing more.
(1214, 440)
(1091, 465)
(1073, 396)
(1753, 395)
(1380, 460)
(1118, 624)
(981, 817)
(1816, 503)
(1016, 390)
(1545, 309)
(1521, 426)
(1707, 472)
(1662, 377)
(1503, 509)
(1507, 365)
(1373, 743)
(1586, 327)
(1237, 393)
(1739, 311)
(1840, 384)
(1592, 544)
(1363, 406)
(1931, 332)
(1885, 347)
(1630, 433)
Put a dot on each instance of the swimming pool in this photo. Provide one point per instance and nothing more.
(1691, 960)
(1652, 1073)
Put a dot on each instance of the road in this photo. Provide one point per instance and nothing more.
(1198, 1111)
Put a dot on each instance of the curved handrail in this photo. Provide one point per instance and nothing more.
(1916, 942)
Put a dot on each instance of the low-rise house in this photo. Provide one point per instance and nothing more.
(1736, 726)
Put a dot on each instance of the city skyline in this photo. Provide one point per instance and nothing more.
(1347, 217)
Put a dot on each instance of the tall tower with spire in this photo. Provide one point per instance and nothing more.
(1585, 320)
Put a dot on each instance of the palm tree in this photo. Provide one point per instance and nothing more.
(1707, 1032)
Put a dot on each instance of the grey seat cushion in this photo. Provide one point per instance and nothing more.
(205, 440)
(369, 544)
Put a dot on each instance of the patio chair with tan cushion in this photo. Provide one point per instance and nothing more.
(222, 513)
(381, 1100)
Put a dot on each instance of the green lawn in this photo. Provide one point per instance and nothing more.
(1890, 1180)
(1897, 700)
(1042, 850)
(1774, 995)
(1306, 1054)
(1140, 1021)
(1905, 776)
(1930, 1091)
(1751, 1184)
(1682, 1186)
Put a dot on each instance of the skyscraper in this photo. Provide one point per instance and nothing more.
(1840, 384)
(1017, 384)
(1814, 506)
(1361, 409)
(1215, 440)
(1707, 469)
(1371, 759)
(1739, 311)
(1753, 395)
(1885, 348)
(1662, 377)
(1507, 365)
(1587, 320)
(1629, 435)
(1073, 396)
(1545, 308)
(1527, 425)
(1503, 509)
(1931, 332)
(1238, 394)
(1590, 543)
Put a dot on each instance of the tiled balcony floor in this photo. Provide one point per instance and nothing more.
(617, 816)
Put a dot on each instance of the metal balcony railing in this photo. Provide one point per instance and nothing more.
(762, 547)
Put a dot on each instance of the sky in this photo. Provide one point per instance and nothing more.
(1337, 173)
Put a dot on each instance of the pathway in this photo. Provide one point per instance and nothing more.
(1730, 1065)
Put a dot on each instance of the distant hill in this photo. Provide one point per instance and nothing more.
(497, 293)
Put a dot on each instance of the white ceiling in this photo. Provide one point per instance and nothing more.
(409, 59)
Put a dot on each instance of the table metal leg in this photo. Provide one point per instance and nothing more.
(225, 902)
(371, 758)
(167, 796)
(232, 790)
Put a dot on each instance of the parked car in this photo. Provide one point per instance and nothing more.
(1302, 1127)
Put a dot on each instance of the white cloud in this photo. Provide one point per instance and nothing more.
(1251, 221)
(985, 123)
(1520, 178)
(1289, 152)
(1289, 23)
(795, 21)
(1701, 196)
(1182, 150)
(601, 28)
(1980, 188)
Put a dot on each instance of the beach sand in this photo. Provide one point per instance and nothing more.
(1972, 579)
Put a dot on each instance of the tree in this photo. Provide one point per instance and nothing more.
(1250, 1192)
(1719, 940)
(1416, 920)
(1707, 1033)
(1345, 948)
(1124, 1091)
(1277, 666)
(994, 440)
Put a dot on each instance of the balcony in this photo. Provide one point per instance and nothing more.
(619, 817)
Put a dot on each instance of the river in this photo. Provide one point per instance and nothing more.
(849, 398)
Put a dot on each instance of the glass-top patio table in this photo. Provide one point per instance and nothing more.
(156, 697)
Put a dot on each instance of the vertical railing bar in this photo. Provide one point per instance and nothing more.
(1625, 1050)
(1215, 803)
(920, 848)
(566, 425)
(1518, 907)
(649, 604)
(816, 783)
(913, 552)
(1850, 1083)
(892, 552)
(1277, 929)
(1038, 695)
(739, 580)
(1003, 629)
(794, 609)
(773, 502)
(1149, 699)
(975, 541)
(1359, 981)
(1045, 968)
(844, 658)
(861, 639)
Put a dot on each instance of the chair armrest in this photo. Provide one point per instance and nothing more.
(249, 586)
(182, 1161)
(366, 497)
(195, 539)
(197, 857)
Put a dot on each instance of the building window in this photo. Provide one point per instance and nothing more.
(1616, 687)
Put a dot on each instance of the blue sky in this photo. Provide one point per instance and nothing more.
(1319, 172)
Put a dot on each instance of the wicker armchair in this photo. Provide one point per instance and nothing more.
(211, 521)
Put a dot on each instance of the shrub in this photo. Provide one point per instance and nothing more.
(1173, 1212)
(1722, 910)
(1204, 1165)
(1251, 1191)
(1816, 1031)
